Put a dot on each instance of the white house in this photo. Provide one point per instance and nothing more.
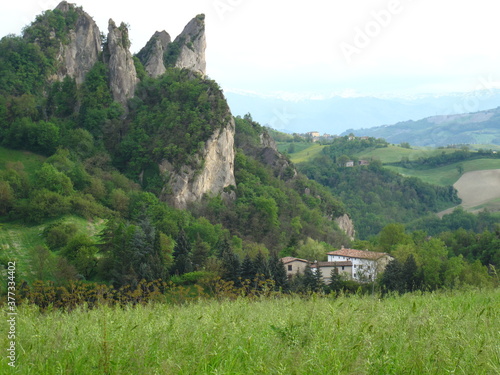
(365, 264)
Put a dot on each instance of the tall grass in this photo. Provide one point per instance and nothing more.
(435, 333)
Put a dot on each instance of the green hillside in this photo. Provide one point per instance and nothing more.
(449, 174)
(394, 153)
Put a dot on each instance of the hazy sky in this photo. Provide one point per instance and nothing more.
(318, 47)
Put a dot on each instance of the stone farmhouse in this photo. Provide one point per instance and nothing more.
(293, 266)
(358, 265)
(366, 265)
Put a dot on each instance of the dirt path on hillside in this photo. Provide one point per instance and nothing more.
(477, 188)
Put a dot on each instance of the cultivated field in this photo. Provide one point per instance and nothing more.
(455, 332)
(479, 190)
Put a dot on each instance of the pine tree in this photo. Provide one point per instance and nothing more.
(410, 274)
(247, 269)
(312, 280)
(392, 279)
(278, 272)
(230, 262)
(182, 255)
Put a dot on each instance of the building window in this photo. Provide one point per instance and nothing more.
(289, 267)
(342, 268)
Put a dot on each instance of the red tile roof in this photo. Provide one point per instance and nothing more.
(360, 254)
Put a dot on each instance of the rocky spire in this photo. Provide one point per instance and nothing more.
(191, 45)
(151, 55)
(122, 74)
(80, 54)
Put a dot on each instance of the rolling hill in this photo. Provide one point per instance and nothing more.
(472, 128)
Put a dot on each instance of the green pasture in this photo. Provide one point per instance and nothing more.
(306, 154)
(18, 240)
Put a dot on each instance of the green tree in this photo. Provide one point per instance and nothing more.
(392, 235)
(182, 255)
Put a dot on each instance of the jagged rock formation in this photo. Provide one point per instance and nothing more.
(187, 51)
(122, 74)
(191, 44)
(190, 185)
(81, 53)
(271, 156)
(345, 223)
(152, 54)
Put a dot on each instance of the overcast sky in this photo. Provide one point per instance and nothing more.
(318, 47)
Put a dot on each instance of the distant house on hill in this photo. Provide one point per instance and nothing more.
(326, 268)
(364, 162)
(366, 265)
(349, 164)
(313, 134)
(294, 266)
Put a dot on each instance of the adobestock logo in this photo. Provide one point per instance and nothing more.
(223, 6)
(363, 36)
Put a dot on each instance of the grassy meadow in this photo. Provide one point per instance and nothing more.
(17, 240)
(304, 152)
(456, 332)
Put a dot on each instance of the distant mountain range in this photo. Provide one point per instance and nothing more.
(481, 127)
(338, 114)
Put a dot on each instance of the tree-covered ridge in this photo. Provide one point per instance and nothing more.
(171, 118)
(350, 145)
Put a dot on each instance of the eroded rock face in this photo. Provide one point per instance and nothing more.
(81, 53)
(152, 54)
(192, 43)
(271, 156)
(189, 186)
(345, 223)
(122, 74)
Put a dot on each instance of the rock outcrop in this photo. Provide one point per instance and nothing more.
(122, 74)
(217, 173)
(270, 155)
(80, 54)
(152, 54)
(190, 46)
(345, 223)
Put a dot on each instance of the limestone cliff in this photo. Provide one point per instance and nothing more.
(122, 74)
(80, 53)
(217, 170)
(345, 223)
(189, 47)
(152, 54)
